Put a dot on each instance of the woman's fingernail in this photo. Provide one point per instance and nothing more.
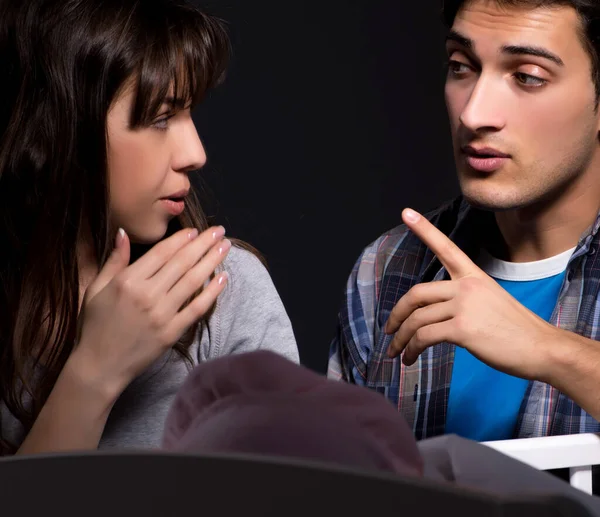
(218, 233)
(120, 237)
(193, 234)
(411, 216)
(225, 246)
(223, 278)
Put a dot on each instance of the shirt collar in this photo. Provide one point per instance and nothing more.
(471, 221)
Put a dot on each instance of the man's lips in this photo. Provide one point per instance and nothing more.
(483, 152)
(484, 159)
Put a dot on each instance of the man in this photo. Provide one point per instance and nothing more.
(482, 319)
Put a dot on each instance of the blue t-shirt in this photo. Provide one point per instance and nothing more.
(484, 403)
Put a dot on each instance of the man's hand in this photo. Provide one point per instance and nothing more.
(472, 311)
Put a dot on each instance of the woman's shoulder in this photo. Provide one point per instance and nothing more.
(250, 314)
(244, 269)
(249, 284)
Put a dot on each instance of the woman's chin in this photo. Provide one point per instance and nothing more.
(146, 236)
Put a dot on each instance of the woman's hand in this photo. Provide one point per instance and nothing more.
(132, 314)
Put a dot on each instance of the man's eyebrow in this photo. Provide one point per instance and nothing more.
(460, 39)
(513, 50)
(528, 50)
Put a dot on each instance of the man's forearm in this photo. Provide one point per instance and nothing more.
(574, 369)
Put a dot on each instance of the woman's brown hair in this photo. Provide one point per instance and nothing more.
(64, 63)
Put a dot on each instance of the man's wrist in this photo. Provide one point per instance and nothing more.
(564, 359)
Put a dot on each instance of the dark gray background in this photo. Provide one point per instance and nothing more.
(330, 122)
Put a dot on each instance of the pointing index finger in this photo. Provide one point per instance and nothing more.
(456, 262)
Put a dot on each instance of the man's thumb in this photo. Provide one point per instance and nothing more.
(117, 262)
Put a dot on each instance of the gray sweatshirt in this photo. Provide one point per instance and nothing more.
(249, 315)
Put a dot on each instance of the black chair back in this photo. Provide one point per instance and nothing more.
(159, 484)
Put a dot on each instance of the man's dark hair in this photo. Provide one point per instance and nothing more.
(589, 14)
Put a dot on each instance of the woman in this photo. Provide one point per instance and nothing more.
(112, 286)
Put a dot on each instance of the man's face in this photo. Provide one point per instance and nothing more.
(521, 102)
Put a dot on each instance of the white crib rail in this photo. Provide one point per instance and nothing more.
(577, 452)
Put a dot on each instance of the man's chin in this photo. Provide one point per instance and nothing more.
(490, 203)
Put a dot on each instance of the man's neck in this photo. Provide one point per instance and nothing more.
(546, 230)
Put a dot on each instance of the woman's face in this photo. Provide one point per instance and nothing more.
(148, 168)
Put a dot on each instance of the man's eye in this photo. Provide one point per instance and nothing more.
(530, 80)
(458, 68)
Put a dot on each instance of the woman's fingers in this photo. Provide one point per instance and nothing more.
(198, 307)
(160, 254)
(196, 277)
(185, 259)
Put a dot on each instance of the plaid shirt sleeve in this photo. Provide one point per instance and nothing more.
(353, 342)
(358, 328)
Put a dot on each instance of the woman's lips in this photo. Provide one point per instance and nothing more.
(173, 206)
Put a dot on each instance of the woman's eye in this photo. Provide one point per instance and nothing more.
(162, 123)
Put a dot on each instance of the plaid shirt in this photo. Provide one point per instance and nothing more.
(395, 262)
